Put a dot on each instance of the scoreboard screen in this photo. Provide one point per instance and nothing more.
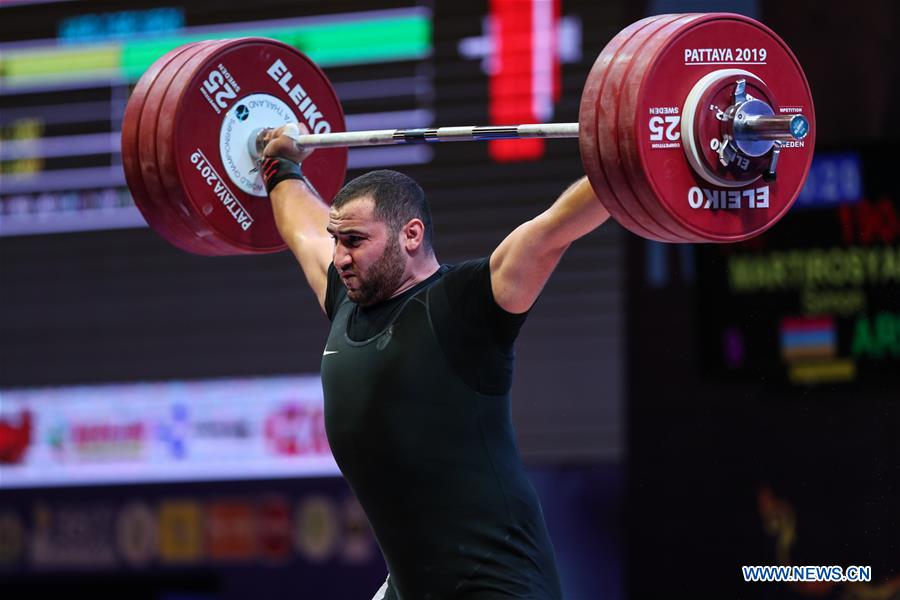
(813, 301)
(62, 98)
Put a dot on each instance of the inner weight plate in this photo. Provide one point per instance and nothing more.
(150, 206)
(176, 215)
(638, 71)
(588, 142)
(613, 153)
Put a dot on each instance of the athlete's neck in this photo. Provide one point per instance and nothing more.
(419, 271)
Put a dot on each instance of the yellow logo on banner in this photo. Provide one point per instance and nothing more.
(180, 531)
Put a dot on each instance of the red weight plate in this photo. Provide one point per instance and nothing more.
(148, 121)
(195, 226)
(214, 105)
(152, 211)
(177, 217)
(663, 177)
(587, 128)
(612, 154)
(631, 166)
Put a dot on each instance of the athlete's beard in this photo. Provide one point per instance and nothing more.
(383, 278)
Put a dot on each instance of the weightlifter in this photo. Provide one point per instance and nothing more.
(417, 372)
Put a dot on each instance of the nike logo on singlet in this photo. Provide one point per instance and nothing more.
(327, 352)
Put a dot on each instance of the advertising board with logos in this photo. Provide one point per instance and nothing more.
(249, 428)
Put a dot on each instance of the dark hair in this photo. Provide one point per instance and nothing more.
(398, 199)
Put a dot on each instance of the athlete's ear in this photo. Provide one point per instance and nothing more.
(412, 235)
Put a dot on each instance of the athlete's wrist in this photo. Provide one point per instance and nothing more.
(275, 169)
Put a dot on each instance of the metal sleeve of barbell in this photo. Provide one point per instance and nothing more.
(386, 137)
(774, 127)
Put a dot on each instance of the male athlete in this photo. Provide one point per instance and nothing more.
(416, 375)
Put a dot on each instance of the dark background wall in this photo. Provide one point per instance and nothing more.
(719, 462)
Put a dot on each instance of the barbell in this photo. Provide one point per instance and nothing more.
(692, 128)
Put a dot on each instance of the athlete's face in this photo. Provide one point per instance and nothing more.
(367, 255)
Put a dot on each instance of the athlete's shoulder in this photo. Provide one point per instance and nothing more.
(470, 278)
(474, 268)
(471, 265)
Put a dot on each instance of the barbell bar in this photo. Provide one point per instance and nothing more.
(773, 128)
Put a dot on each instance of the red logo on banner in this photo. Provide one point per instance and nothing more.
(296, 430)
(231, 530)
(15, 435)
(275, 528)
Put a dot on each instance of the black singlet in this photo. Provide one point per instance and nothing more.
(417, 412)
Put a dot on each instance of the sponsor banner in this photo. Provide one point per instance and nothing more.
(304, 521)
(251, 428)
(307, 534)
